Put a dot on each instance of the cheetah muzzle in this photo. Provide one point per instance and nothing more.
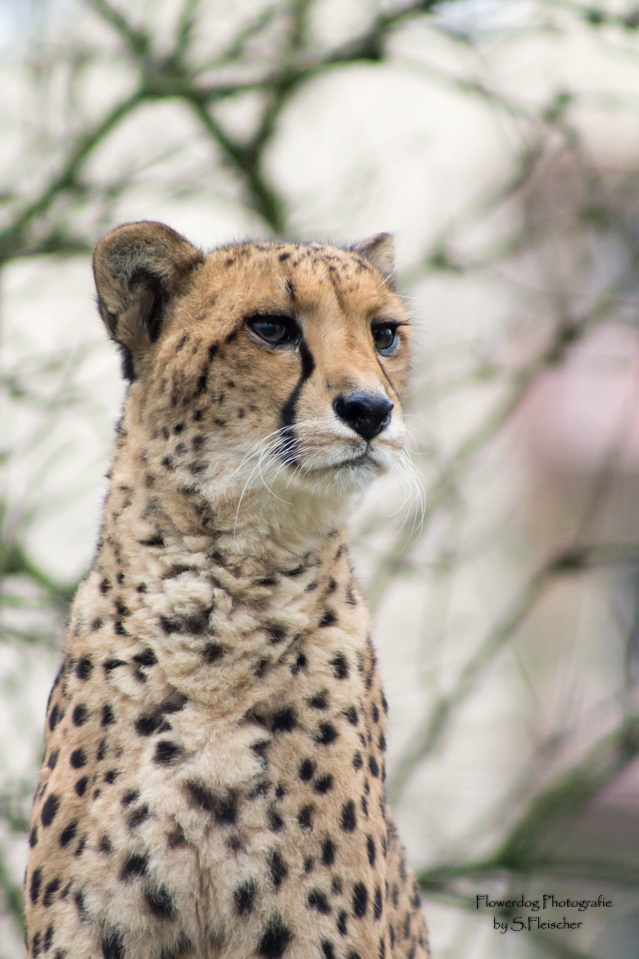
(213, 780)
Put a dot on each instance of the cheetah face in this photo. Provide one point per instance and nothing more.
(271, 365)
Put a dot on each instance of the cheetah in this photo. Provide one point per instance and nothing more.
(213, 777)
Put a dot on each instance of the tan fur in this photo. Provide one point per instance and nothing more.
(212, 786)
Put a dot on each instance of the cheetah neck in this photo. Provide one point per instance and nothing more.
(189, 591)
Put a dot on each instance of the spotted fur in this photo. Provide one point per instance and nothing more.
(213, 778)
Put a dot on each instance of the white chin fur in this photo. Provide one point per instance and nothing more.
(340, 472)
(323, 487)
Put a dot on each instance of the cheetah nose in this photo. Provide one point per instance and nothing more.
(365, 413)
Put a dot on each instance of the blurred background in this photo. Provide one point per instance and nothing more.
(499, 141)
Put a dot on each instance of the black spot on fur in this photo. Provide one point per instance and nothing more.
(159, 901)
(157, 540)
(323, 785)
(167, 753)
(284, 721)
(305, 816)
(244, 897)
(138, 816)
(80, 906)
(36, 882)
(49, 809)
(358, 762)
(349, 818)
(105, 846)
(377, 903)
(149, 724)
(275, 821)
(146, 658)
(84, 668)
(130, 797)
(278, 867)
(276, 634)
(360, 899)
(176, 838)
(260, 748)
(307, 770)
(68, 833)
(340, 665)
(54, 717)
(317, 900)
(341, 924)
(328, 852)
(329, 618)
(78, 758)
(416, 899)
(134, 867)
(319, 701)
(80, 714)
(327, 949)
(213, 652)
(352, 715)
(53, 758)
(222, 807)
(201, 383)
(373, 766)
(111, 664)
(370, 848)
(299, 663)
(81, 786)
(326, 735)
(275, 939)
(108, 716)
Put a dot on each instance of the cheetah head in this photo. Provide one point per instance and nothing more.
(260, 366)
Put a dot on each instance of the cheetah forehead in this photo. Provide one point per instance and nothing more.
(144, 270)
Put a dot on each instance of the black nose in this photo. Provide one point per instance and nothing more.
(365, 413)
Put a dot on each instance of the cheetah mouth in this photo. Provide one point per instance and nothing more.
(364, 461)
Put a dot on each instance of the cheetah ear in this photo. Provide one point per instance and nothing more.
(138, 269)
(380, 251)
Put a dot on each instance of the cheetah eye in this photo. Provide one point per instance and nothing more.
(385, 337)
(274, 329)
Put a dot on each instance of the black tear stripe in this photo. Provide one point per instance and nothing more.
(287, 446)
(386, 376)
